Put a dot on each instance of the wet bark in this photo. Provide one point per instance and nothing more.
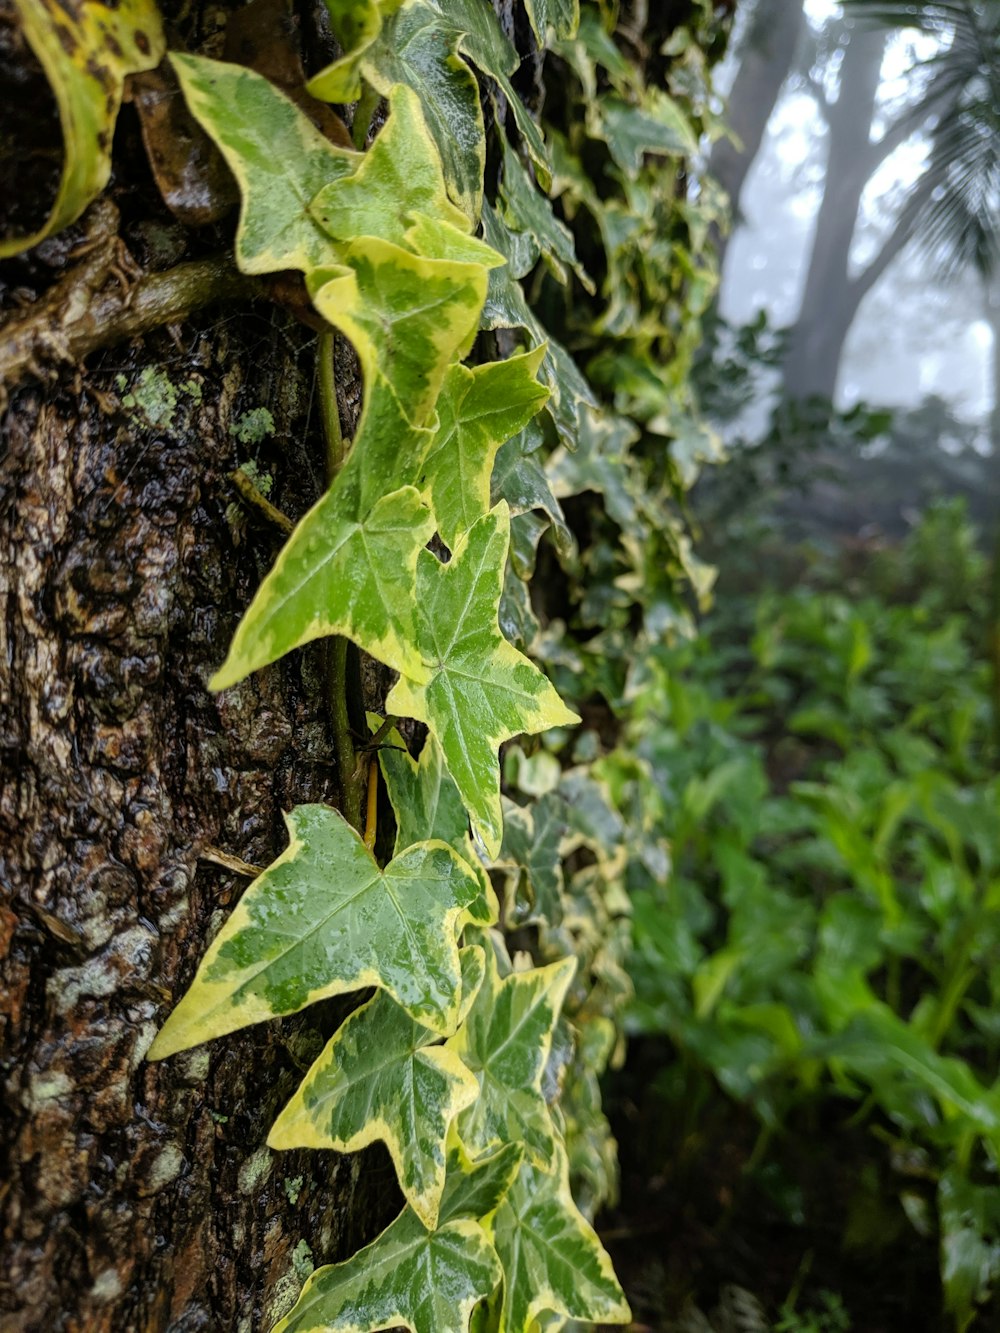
(142, 1196)
(137, 1196)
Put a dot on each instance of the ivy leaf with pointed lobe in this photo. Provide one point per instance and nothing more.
(87, 51)
(505, 1041)
(324, 919)
(409, 1277)
(416, 48)
(426, 804)
(552, 1258)
(408, 317)
(380, 1077)
(477, 411)
(527, 210)
(338, 574)
(560, 17)
(506, 308)
(657, 125)
(521, 480)
(356, 24)
(399, 177)
(477, 690)
(280, 161)
(532, 836)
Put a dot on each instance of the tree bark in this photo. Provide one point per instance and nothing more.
(141, 1197)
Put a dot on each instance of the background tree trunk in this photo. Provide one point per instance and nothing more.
(766, 56)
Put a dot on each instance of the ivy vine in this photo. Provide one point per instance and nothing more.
(475, 1066)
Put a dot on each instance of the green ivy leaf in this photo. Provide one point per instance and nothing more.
(477, 411)
(505, 1041)
(338, 574)
(560, 17)
(400, 176)
(527, 210)
(600, 462)
(280, 161)
(532, 836)
(86, 51)
(425, 1281)
(477, 1188)
(424, 799)
(656, 126)
(477, 690)
(416, 48)
(324, 919)
(480, 38)
(408, 317)
(357, 24)
(521, 480)
(506, 308)
(551, 1256)
(379, 1077)
(426, 804)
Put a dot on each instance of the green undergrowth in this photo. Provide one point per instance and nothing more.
(826, 950)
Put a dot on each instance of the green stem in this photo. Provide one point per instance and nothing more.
(330, 411)
(350, 788)
(337, 655)
(363, 113)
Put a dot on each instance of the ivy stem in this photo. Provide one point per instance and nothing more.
(363, 112)
(337, 649)
(329, 409)
(260, 502)
(371, 816)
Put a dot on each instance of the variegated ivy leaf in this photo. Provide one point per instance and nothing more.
(476, 1188)
(414, 48)
(476, 690)
(408, 317)
(600, 462)
(338, 574)
(527, 210)
(506, 308)
(420, 46)
(380, 1077)
(551, 1256)
(505, 1041)
(477, 411)
(280, 161)
(531, 842)
(356, 23)
(484, 42)
(657, 125)
(399, 177)
(426, 1281)
(409, 1277)
(521, 480)
(560, 17)
(323, 919)
(87, 51)
(426, 804)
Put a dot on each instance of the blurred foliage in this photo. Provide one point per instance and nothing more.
(817, 767)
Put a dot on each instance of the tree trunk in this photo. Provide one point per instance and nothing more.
(139, 1197)
(766, 57)
(830, 298)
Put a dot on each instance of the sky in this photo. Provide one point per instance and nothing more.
(912, 337)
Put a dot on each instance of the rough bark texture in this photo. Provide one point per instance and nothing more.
(136, 1196)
